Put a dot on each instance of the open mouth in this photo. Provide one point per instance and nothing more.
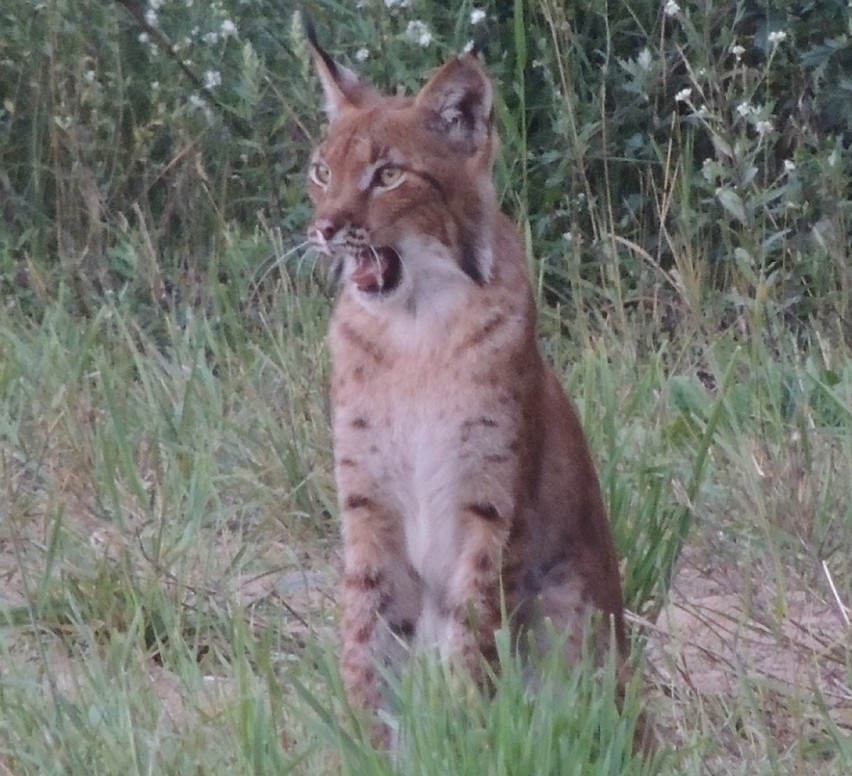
(377, 270)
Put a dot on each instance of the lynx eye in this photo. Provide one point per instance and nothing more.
(389, 176)
(320, 174)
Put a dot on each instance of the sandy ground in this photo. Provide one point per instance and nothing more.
(717, 636)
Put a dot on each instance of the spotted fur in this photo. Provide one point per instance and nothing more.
(461, 468)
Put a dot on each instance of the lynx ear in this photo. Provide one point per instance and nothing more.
(343, 89)
(459, 98)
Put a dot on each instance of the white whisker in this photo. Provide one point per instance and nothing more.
(380, 279)
(314, 258)
(273, 262)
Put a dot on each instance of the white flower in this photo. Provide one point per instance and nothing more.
(833, 158)
(644, 59)
(362, 53)
(671, 8)
(744, 109)
(737, 50)
(683, 95)
(212, 79)
(155, 86)
(397, 3)
(568, 237)
(144, 38)
(210, 38)
(155, 5)
(763, 126)
(477, 15)
(789, 165)
(418, 32)
(777, 36)
(228, 29)
(151, 17)
(199, 103)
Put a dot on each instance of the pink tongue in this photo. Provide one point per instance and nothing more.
(370, 270)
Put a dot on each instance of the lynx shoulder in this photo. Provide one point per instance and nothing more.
(462, 472)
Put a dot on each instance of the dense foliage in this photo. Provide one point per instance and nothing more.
(697, 146)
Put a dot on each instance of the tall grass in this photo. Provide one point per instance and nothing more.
(168, 541)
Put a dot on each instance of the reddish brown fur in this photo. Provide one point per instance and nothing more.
(461, 466)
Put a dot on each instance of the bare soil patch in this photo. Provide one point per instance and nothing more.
(717, 638)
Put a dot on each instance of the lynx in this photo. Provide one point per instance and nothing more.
(464, 480)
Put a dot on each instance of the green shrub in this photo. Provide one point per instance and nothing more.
(699, 146)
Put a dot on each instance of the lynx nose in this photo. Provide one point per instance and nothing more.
(330, 227)
(326, 227)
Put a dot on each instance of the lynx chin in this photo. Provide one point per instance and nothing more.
(463, 476)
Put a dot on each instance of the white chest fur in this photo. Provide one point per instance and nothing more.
(427, 486)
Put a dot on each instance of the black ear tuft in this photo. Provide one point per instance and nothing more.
(319, 51)
(311, 35)
(309, 29)
(342, 88)
(478, 46)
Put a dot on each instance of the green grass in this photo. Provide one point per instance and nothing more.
(169, 552)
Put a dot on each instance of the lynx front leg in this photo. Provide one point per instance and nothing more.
(381, 601)
(473, 595)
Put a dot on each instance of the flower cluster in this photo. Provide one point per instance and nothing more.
(227, 28)
(418, 32)
(212, 79)
(671, 8)
(758, 117)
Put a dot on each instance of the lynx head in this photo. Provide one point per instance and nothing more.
(404, 203)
